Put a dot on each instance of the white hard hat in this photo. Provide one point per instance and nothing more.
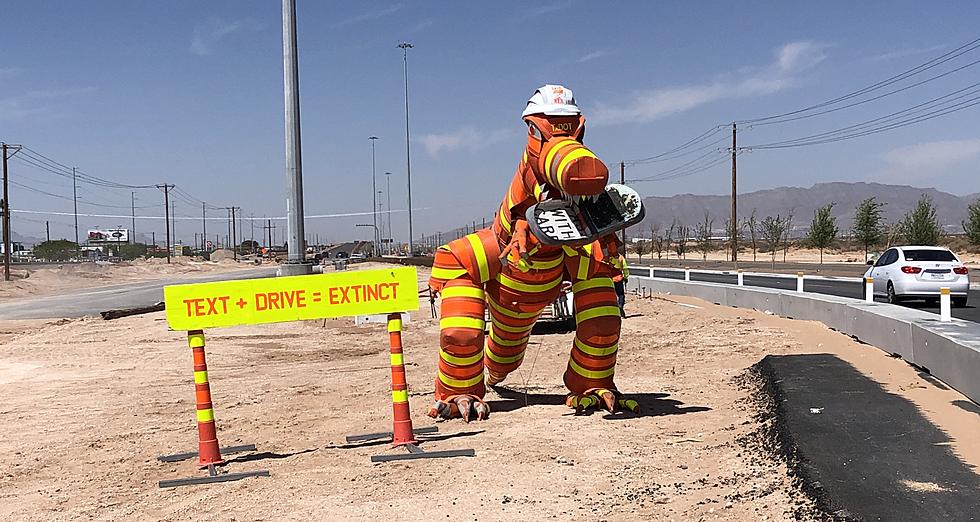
(552, 100)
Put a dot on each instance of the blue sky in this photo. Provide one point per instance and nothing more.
(191, 93)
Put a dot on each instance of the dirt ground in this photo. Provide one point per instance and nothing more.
(87, 405)
(51, 279)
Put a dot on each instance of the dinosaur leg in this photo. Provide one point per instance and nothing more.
(459, 386)
(510, 329)
(589, 376)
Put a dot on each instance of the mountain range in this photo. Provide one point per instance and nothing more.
(689, 209)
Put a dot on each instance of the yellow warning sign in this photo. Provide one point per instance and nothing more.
(279, 299)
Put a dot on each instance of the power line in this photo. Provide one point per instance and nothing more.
(939, 60)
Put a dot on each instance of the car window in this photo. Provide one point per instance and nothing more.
(886, 258)
(929, 255)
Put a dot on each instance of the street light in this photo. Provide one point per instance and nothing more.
(374, 188)
(381, 229)
(405, 46)
(391, 234)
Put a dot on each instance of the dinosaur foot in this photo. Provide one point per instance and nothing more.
(467, 407)
(600, 398)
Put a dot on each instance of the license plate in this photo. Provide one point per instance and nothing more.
(937, 276)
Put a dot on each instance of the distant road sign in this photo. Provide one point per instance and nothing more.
(210, 244)
(273, 300)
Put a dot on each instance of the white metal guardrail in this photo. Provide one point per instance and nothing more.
(950, 351)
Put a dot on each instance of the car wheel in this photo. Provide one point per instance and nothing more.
(959, 302)
(892, 297)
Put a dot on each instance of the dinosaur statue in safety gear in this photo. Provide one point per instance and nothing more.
(507, 268)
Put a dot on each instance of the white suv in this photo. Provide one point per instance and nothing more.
(919, 272)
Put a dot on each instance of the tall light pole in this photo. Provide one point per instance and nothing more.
(380, 229)
(388, 191)
(296, 256)
(374, 191)
(405, 46)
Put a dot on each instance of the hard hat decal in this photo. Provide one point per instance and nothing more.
(552, 100)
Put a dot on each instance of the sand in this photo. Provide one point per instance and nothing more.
(52, 279)
(86, 406)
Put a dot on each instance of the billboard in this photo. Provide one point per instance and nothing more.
(109, 235)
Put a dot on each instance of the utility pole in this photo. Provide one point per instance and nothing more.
(234, 235)
(296, 255)
(204, 225)
(622, 181)
(74, 199)
(153, 235)
(733, 226)
(5, 209)
(173, 223)
(166, 209)
(405, 46)
(133, 195)
(374, 196)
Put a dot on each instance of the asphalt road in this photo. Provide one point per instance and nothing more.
(842, 288)
(91, 301)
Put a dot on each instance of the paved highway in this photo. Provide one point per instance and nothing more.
(91, 301)
(829, 286)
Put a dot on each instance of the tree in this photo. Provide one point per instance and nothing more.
(786, 233)
(56, 250)
(869, 225)
(702, 236)
(753, 224)
(659, 242)
(641, 247)
(823, 229)
(772, 230)
(669, 237)
(972, 224)
(131, 251)
(680, 245)
(920, 226)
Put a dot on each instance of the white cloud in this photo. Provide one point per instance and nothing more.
(466, 138)
(648, 105)
(37, 103)
(932, 157)
(370, 15)
(903, 53)
(544, 9)
(208, 34)
(594, 55)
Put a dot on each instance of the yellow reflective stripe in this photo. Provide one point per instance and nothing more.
(205, 415)
(584, 402)
(510, 329)
(504, 360)
(460, 361)
(589, 374)
(195, 340)
(447, 273)
(505, 342)
(481, 257)
(398, 359)
(395, 325)
(599, 311)
(592, 283)
(201, 377)
(462, 322)
(462, 291)
(551, 156)
(545, 265)
(456, 383)
(514, 284)
(583, 268)
(399, 396)
(569, 251)
(538, 190)
(596, 352)
(572, 156)
(510, 313)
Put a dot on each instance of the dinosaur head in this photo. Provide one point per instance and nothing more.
(554, 145)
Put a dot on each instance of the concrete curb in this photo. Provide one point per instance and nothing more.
(949, 351)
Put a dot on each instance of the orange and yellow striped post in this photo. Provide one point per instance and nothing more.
(206, 432)
(402, 430)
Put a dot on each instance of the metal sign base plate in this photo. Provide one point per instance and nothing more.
(213, 476)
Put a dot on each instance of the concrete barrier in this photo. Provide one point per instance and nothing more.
(950, 351)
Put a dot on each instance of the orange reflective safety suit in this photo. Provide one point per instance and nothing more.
(470, 275)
